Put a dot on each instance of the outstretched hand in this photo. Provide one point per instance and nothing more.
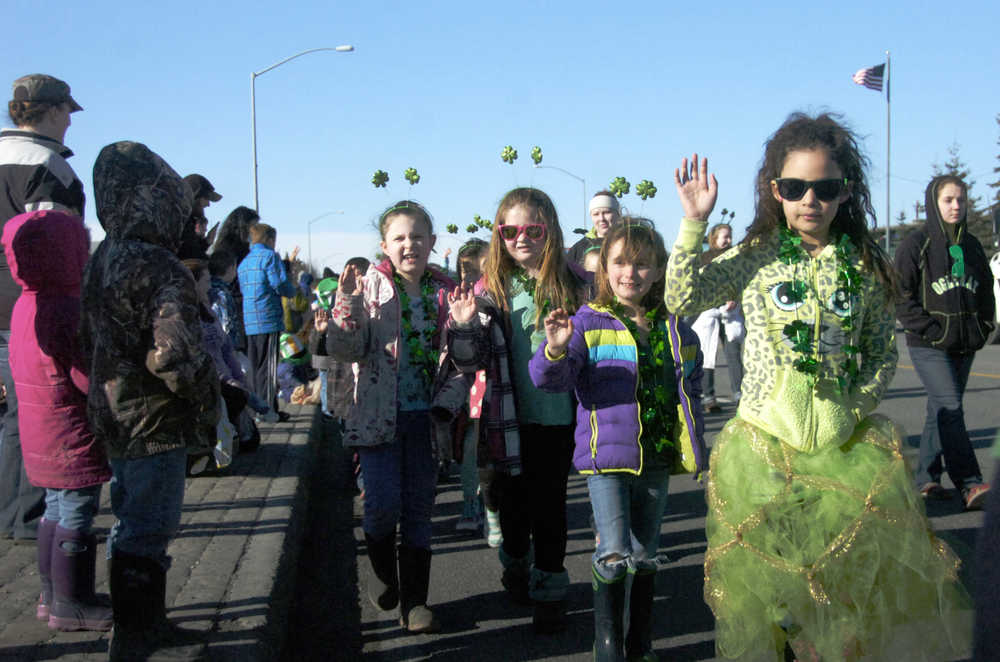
(463, 304)
(321, 320)
(351, 282)
(558, 331)
(696, 190)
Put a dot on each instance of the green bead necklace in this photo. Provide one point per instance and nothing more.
(799, 333)
(654, 399)
(420, 345)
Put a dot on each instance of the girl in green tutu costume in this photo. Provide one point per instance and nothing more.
(818, 546)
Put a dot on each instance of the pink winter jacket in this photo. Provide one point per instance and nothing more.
(46, 251)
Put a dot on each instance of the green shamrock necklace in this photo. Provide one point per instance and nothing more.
(799, 333)
(528, 284)
(654, 399)
(423, 356)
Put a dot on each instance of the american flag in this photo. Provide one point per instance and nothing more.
(870, 77)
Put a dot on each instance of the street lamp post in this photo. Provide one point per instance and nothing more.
(309, 235)
(577, 178)
(345, 48)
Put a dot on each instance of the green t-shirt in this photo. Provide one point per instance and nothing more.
(533, 405)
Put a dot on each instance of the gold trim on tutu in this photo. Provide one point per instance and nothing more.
(811, 547)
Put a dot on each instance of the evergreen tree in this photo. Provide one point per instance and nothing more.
(995, 185)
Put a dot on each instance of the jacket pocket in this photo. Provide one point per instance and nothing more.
(804, 415)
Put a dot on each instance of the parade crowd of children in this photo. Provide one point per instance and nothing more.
(534, 361)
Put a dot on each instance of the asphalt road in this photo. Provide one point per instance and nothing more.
(480, 623)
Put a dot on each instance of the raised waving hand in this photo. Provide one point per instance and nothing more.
(558, 331)
(696, 189)
(351, 282)
(463, 304)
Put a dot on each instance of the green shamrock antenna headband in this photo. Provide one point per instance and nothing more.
(645, 189)
(477, 222)
(619, 186)
(380, 177)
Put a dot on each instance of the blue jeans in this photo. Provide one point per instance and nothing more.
(400, 482)
(147, 495)
(73, 509)
(627, 514)
(21, 503)
(944, 376)
(324, 380)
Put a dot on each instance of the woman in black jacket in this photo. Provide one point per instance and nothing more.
(947, 311)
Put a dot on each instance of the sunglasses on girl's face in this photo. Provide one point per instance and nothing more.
(533, 231)
(826, 190)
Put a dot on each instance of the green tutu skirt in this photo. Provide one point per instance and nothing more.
(829, 551)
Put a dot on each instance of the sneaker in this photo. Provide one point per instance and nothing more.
(711, 405)
(975, 496)
(933, 491)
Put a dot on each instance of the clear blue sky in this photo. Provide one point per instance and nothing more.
(605, 90)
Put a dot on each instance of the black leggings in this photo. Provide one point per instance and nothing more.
(533, 504)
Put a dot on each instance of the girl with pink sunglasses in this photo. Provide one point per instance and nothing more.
(526, 436)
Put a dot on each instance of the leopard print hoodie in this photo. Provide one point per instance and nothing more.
(807, 413)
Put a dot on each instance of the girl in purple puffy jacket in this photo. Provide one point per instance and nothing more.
(636, 371)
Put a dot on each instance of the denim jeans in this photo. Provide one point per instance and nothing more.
(533, 504)
(147, 495)
(734, 362)
(401, 481)
(21, 503)
(324, 383)
(73, 509)
(627, 513)
(944, 376)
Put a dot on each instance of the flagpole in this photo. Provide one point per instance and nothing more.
(888, 161)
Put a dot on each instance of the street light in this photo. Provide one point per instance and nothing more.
(309, 232)
(345, 48)
(577, 178)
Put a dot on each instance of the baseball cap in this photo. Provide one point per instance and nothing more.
(39, 87)
(326, 293)
(202, 188)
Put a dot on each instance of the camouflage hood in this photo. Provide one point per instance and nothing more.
(139, 197)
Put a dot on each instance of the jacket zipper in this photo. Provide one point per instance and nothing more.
(817, 330)
(593, 439)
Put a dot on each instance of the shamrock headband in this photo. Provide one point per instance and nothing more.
(603, 201)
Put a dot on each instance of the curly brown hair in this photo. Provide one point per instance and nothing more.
(825, 131)
(29, 113)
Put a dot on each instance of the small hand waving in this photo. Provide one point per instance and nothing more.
(351, 282)
(558, 331)
(695, 188)
(463, 304)
(321, 320)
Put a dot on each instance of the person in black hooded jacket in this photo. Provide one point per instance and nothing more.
(947, 311)
(154, 392)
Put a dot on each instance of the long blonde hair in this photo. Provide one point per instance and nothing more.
(555, 283)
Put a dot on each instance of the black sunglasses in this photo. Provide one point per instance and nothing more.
(826, 189)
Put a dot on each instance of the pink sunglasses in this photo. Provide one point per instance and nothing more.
(533, 231)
